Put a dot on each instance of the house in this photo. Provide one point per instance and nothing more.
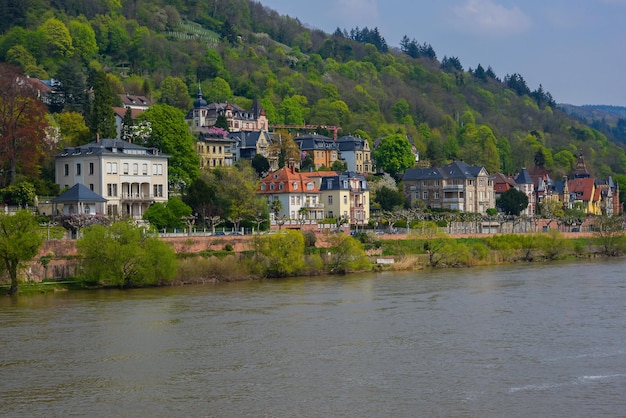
(249, 144)
(205, 114)
(323, 150)
(215, 148)
(79, 200)
(135, 102)
(120, 114)
(356, 153)
(525, 184)
(456, 186)
(129, 176)
(345, 195)
(299, 195)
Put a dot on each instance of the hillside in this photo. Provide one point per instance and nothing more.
(238, 51)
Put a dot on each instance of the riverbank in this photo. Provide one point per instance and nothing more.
(211, 259)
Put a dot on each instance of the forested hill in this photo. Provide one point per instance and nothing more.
(240, 50)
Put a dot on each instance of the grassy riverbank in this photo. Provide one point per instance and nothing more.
(297, 254)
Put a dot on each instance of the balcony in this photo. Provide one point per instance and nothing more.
(450, 187)
(136, 197)
(314, 205)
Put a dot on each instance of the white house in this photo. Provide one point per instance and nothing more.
(129, 176)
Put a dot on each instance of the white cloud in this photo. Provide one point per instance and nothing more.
(489, 18)
(355, 11)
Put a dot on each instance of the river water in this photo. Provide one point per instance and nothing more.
(541, 340)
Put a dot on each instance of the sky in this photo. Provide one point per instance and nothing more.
(576, 49)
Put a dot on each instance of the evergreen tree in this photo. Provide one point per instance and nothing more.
(101, 118)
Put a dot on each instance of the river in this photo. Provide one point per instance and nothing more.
(542, 340)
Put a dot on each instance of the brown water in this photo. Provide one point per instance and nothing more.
(514, 341)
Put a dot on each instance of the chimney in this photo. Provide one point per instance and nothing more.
(97, 138)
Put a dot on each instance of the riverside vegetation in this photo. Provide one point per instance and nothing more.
(125, 255)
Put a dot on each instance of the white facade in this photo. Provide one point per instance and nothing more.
(129, 176)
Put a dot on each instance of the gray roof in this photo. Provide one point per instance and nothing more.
(315, 142)
(79, 193)
(246, 139)
(110, 146)
(350, 143)
(524, 177)
(454, 170)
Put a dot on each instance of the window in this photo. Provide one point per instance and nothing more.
(157, 169)
(91, 187)
(262, 186)
(330, 200)
(280, 186)
(111, 168)
(345, 200)
(111, 189)
(310, 186)
(158, 190)
(66, 169)
(144, 169)
(295, 185)
(436, 195)
(125, 168)
(135, 169)
(293, 200)
(78, 169)
(425, 195)
(271, 186)
(91, 169)
(437, 182)
(424, 183)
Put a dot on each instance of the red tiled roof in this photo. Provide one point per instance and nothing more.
(583, 187)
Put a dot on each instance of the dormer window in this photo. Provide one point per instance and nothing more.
(295, 185)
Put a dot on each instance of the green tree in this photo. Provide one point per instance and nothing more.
(83, 39)
(394, 154)
(57, 37)
(174, 93)
(20, 240)
(171, 214)
(219, 91)
(282, 254)
(73, 86)
(293, 110)
(512, 202)
(389, 199)
(102, 119)
(124, 255)
(73, 129)
(170, 134)
(346, 254)
(260, 164)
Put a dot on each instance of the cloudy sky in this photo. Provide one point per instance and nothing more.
(576, 49)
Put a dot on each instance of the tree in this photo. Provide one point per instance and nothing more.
(20, 240)
(57, 37)
(73, 129)
(389, 199)
(170, 134)
(83, 39)
(174, 93)
(72, 86)
(23, 124)
(171, 214)
(394, 154)
(512, 202)
(346, 254)
(219, 91)
(125, 255)
(610, 232)
(282, 254)
(102, 119)
(260, 164)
